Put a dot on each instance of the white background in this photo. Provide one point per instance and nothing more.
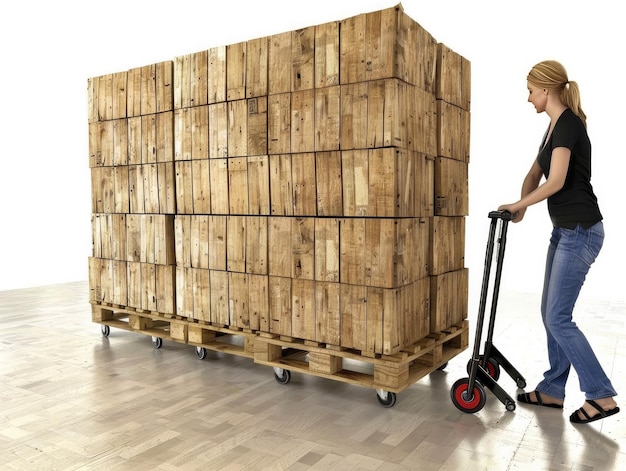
(50, 49)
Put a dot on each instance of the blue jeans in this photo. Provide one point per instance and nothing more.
(571, 253)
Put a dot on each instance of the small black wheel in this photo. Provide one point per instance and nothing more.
(157, 342)
(201, 353)
(282, 376)
(510, 405)
(442, 367)
(106, 330)
(491, 366)
(465, 400)
(521, 383)
(386, 398)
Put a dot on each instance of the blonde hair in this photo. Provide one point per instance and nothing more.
(552, 75)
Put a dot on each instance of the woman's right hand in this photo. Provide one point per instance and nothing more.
(516, 214)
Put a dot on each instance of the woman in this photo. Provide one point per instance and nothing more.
(564, 159)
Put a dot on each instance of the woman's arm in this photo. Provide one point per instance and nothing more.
(532, 191)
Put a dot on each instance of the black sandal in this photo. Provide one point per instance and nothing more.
(526, 399)
(603, 413)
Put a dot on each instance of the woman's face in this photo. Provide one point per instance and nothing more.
(538, 97)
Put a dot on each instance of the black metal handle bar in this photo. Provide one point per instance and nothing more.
(504, 215)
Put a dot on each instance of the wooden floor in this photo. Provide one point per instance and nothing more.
(72, 399)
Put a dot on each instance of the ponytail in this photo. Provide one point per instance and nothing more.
(570, 96)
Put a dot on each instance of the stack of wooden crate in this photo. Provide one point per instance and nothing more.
(310, 185)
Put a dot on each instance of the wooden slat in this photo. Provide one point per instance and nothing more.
(280, 305)
(328, 183)
(238, 185)
(303, 184)
(218, 174)
(279, 123)
(303, 58)
(303, 121)
(257, 126)
(281, 185)
(257, 67)
(238, 300)
(257, 251)
(327, 118)
(327, 54)
(218, 130)
(302, 248)
(327, 312)
(279, 60)
(217, 74)
(279, 237)
(236, 244)
(259, 185)
(355, 182)
(354, 115)
(217, 242)
(303, 310)
(237, 128)
(236, 71)
(201, 186)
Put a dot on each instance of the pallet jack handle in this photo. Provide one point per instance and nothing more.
(504, 215)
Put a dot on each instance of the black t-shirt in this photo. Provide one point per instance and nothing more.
(576, 202)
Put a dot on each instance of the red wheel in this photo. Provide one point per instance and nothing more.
(491, 366)
(465, 400)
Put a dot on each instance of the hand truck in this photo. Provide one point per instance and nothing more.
(468, 394)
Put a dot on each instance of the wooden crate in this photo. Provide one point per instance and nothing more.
(191, 80)
(386, 253)
(150, 89)
(447, 244)
(191, 133)
(451, 187)
(106, 97)
(453, 132)
(453, 77)
(448, 299)
(386, 44)
(387, 113)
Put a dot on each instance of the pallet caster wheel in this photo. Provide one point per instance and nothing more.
(157, 342)
(443, 367)
(201, 353)
(491, 367)
(465, 400)
(386, 398)
(282, 376)
(106, 330)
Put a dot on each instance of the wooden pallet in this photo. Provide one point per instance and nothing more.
(392, 373)
(176, 328)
